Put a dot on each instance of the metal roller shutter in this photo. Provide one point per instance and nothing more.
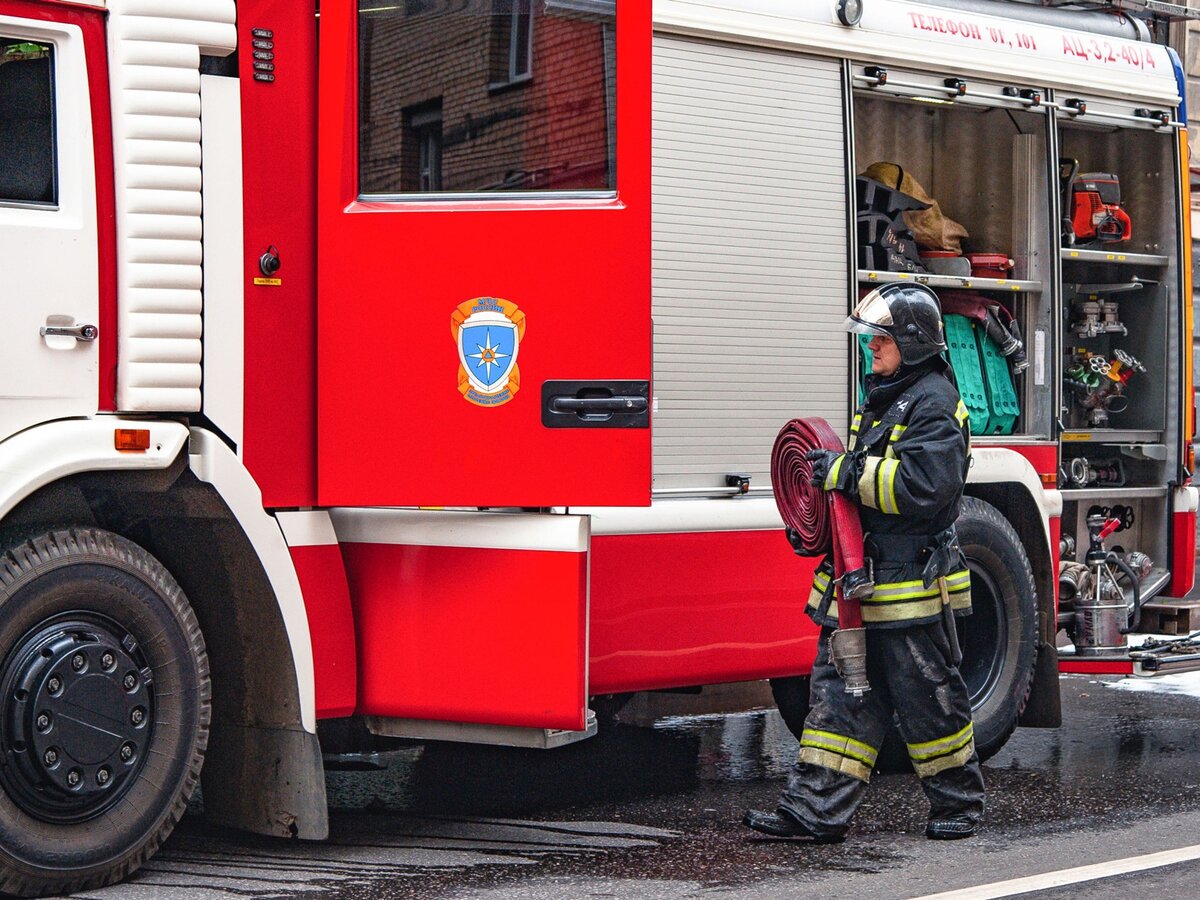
(750, 255)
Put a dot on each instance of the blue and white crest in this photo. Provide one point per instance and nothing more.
(487, 333)
(487, 349)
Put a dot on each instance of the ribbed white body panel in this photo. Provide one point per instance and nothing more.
(155, 48)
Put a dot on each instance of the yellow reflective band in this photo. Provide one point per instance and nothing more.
(866, 484)
(908, 590)
(909, 610)
(896, 432)
(831, 476)
(942, 763)
(941, 745)
(835, 761)
(839, 743)
(857, 421)
(886, 490)
(961, 413)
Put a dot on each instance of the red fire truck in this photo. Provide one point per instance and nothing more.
(425, 377)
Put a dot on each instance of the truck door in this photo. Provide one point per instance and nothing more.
(484, 261)
(48, 228)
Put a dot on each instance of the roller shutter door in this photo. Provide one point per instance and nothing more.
(750, 255)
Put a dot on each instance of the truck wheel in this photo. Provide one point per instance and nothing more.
(999, 638)
(104, 709)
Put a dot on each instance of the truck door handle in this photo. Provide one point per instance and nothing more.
(83, 333)
(616, 405)
(596, 404)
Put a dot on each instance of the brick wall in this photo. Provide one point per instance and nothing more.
(552, 130)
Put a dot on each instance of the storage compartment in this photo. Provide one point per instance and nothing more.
(1119, 282)
(982, 156)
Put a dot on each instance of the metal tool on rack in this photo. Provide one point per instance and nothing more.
(1094, 309)
(1098, 384)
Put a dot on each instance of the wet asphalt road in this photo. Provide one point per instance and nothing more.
(653, 812)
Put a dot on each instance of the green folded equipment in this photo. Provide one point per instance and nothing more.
(984, 380)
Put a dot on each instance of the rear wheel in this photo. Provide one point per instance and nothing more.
(105, 700)
(998, 639)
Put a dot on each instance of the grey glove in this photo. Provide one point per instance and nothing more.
(848, 473)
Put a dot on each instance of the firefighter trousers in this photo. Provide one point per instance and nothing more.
(912, 675)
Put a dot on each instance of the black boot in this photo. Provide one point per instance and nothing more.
(949, 829)
(781, 825)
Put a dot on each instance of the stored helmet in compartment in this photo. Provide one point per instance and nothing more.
(907, 313)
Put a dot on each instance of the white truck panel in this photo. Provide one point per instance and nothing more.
(155, 48)
(918, 36)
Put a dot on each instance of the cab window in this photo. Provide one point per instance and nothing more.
(486, 96)
(26, 122)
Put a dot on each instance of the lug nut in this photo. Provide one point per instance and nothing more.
(102, 777)
(138, 716)
(78, 661)
(54, 685)
(108, 661)
(43, 722)
(129, 682)
(73, 778)
(126, 752)
(50, 757)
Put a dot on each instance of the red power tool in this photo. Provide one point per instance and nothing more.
(1092, 206)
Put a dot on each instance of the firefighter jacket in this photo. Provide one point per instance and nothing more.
(914, 430)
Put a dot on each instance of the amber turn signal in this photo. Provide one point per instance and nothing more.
(131, 438)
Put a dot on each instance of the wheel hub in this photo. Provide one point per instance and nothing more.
(79, 708)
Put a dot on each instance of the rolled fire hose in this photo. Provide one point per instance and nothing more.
(826, 521)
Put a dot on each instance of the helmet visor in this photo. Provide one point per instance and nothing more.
(872, 315)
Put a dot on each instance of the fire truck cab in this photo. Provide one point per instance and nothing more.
(425, 376)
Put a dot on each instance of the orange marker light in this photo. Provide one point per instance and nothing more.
(131, 438)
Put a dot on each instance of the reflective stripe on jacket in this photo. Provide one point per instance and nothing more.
(916, 433)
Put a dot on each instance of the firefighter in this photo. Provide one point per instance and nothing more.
(905, 467)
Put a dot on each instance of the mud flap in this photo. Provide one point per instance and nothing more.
(1044, 708)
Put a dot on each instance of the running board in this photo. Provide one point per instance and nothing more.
(470, 733)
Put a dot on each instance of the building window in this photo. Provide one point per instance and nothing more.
(27, 165)
(520, 47)
(425, 131)
(555, 132)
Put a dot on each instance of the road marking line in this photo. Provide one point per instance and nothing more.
(1070, 876)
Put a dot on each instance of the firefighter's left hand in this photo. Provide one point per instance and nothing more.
(822, 461)
(849, 471)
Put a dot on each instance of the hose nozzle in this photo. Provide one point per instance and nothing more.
(848, 652)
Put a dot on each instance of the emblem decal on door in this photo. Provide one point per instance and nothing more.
(488, 333)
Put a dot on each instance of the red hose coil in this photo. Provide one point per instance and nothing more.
(826, 521)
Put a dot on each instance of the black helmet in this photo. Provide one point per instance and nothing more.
(907, 313)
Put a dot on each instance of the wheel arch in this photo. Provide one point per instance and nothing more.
(190, 503)
(1007, 480)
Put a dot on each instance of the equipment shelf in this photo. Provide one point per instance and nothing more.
(1111, 493)
(1074, 254)
(1110, 436)
(1007, 285)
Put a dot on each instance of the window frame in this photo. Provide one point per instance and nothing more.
(503, 199)
(9, 33)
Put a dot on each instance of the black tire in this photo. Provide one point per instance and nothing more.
(998, 639)
(791, 699)
(103, 674)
